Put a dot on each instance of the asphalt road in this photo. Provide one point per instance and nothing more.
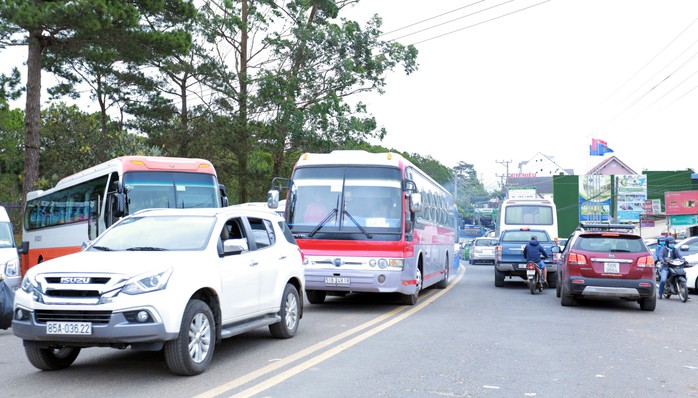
(469, 340)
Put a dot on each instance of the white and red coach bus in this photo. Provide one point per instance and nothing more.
(368, 222)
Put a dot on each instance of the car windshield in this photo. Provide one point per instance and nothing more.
(486, 242)
(157, 233)
(6, 238)
(617, 244)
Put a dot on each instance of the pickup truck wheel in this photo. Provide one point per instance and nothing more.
(498, 277)
(316, 296)
(191, 352)
(552, 279)
(290, 314)
(411, 299)
(51, 358)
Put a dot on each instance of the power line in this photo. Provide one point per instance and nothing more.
(651, 60)
(480, 23)
(452, 20)
(429, 19)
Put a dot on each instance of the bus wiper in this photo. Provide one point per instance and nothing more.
(102, 248)
(369, 236)
(145, 248)
(322, 223)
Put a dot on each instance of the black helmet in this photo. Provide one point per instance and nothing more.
(534, 237)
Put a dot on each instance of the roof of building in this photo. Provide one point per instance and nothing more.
(611, 166)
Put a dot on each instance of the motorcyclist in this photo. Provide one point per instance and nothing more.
(534, 252)
(661, 242)
(667, 253)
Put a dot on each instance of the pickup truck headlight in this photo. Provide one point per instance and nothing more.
(31, 286)
(147, 283)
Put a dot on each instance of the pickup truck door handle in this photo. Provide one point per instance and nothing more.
(282, 258)
(254, 263)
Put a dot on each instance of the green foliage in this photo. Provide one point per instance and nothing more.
(11, 166)
(71, 141)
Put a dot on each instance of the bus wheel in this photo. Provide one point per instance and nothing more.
(316, 296)
(411, 299)
(443, 284)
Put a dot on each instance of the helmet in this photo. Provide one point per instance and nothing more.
(534, 237)
(661, 238)
(670, 239)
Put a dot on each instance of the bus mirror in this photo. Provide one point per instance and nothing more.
(24, 248)
(119, 204)
(224, 195)
(416, 202)
(273, 198)
(409, 186)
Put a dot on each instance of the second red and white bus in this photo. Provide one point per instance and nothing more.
(81, 206)
(368, 222)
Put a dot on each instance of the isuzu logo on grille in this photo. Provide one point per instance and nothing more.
(75, 280)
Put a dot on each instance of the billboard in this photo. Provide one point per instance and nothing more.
(681, 202)
(631, 194)
(594, 197)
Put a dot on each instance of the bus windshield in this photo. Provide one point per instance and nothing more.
(160, 189)
(346, 199)
(528, 215)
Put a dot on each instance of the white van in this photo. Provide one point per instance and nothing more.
(9, 259)
(528, 213)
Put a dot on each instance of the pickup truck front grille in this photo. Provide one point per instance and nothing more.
(100, 317)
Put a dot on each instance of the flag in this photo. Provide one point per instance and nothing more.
(599, 148)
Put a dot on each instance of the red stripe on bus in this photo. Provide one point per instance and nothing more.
(45, 254)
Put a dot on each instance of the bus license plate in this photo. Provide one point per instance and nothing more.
(336, 280)
(611, 268)
(71, 328)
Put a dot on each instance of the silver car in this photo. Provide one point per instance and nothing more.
(482, 251)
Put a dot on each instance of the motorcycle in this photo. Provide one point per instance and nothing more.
(676, 280)
(534, 277)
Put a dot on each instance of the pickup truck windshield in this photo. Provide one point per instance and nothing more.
(525, 236)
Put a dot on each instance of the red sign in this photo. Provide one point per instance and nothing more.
(681, 202)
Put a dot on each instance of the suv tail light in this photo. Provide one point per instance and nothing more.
(498, 253)
(645, 262)
(576, 259)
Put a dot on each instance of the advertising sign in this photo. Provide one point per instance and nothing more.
(681, 202)
(521, 193)
(683, 220)
(652, 206)
(631, 190)
(594, 197)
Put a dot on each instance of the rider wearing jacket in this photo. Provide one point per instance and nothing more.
(667, 253)
(534, 252)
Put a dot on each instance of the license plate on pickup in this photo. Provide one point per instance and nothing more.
(611, 268)
(70, 328)
(337, 280)
(522, 266)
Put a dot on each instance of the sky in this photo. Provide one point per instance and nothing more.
(502, 80)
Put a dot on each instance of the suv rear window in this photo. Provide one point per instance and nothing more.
(619, 244)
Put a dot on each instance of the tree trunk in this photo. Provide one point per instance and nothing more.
(32, 116)
(242, 125)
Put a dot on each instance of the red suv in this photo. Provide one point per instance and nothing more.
(606, 261)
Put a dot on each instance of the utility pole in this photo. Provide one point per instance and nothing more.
(505, 176)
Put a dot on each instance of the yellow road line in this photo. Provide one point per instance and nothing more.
(426, 299)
